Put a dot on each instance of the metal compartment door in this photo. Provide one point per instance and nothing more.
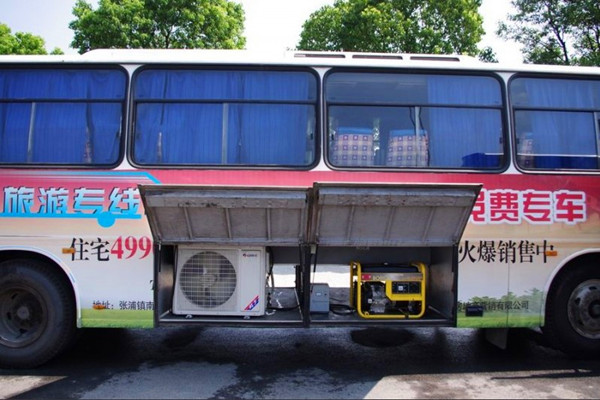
(340, 214)
(373, 215)
(237, 216)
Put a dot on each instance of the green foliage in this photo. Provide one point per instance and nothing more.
(410, 26)
(498, 319)
(586, 27)
(22, 43)
(555, 31)
(488, 55)
(204, 24)
(508, 310)
(116, 318)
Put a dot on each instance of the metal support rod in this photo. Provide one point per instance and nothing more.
(224, 134)
(188, 224)
(269, 236)
(597, 126)
(305, 266)
(454, 285)
(30, 137)
(228, 223)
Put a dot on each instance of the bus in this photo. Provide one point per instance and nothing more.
(150, 188)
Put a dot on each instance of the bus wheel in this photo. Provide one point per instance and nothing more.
(573, 312)
(37, 313)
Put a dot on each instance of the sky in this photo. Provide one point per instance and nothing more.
(271, 25)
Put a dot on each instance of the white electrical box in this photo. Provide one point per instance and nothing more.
(319, 298)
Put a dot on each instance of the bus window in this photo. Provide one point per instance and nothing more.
(228, 118)
(61, 116)
(414, 120)
(556, 123)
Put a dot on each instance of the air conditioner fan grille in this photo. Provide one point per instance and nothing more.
(207, 279)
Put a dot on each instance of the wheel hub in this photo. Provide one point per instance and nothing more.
(22, 317)
(23, 312)
(584, 309)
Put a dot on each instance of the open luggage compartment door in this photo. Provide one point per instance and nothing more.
(340, 214)
(235, 216)
(384, 215)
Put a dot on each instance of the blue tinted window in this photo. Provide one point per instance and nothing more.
(414, 120)
(65, 117)
(556, 122)
(201, 117)
(67, 84)
(410, 89)
(555, 93)
(225, 85)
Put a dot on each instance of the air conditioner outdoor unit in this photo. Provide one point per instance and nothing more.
(220, 281)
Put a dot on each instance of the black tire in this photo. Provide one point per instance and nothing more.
(573, 312)
(37, 313)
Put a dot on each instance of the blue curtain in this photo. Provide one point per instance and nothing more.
(172, 134)
(61, 116)
(559, 93)
(59, 134)
(76, 133)
(561, 139)
(65, 84)
(468, 136)
(182, 132)
(222, 117)
(275, 133)
(188, 85)
(14, 132)
(104, 121)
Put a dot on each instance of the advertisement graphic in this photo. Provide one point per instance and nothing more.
(94, 222)
(57, 195)
(520, 232)
(515, 240)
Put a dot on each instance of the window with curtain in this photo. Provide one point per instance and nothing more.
(393, 120)
(201, 117)
(557, 122)
(61, 116)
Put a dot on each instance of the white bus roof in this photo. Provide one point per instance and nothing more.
(298, 58)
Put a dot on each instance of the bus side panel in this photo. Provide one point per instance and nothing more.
(518, 236)
(93, 222)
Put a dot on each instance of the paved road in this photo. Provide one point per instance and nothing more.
(186, 362)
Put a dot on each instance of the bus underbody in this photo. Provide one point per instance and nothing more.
(218, 250)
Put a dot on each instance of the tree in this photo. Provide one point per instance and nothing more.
(410, 26)
(585, 16)
(488, 55)
(22, 43)
(555, 31)
(542, 27)
(158, 24)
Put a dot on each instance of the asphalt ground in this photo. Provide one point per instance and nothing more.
(316, 363)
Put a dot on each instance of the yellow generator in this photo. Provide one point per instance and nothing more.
(388, 290)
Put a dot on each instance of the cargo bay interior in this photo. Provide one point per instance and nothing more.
(264, 256)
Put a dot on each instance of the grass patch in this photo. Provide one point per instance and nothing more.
(525, 320)
(489, 320)
(91, 318)
(499, 320)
